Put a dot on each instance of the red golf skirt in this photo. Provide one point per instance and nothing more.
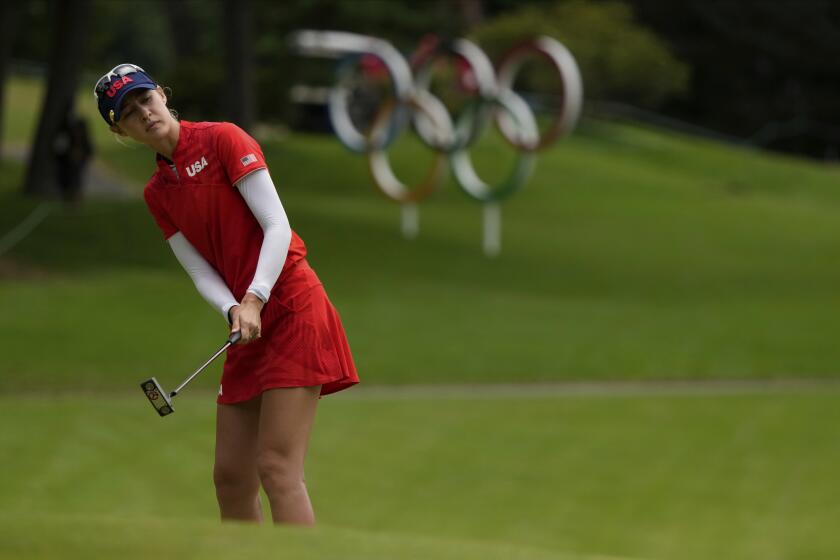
(302, 344)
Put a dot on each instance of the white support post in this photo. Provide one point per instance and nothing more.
(410, 220)
(492, 229)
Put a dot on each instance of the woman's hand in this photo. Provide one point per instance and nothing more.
(246, 318)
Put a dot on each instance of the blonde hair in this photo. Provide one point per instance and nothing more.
(167, 91)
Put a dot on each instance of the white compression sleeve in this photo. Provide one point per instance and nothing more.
(206, 279)
(261, 197)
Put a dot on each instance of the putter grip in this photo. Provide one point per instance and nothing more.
(234, 337)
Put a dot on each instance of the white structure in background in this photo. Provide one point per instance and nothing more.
(411, 102)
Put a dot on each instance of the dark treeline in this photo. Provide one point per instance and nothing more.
(764, 71)
(185, 43)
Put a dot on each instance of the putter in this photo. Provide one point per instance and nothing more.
(163, 401)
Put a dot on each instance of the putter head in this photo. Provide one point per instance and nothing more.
(157, 396)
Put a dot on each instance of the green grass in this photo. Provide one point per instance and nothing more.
(73, 537)
(656, 477)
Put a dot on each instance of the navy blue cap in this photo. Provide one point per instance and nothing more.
(111, 88)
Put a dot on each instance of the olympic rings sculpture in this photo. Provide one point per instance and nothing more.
(413, 104)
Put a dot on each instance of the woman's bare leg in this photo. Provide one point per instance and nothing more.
(235, 471)
(286, 418)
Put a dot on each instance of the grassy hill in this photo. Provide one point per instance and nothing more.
(632, 253)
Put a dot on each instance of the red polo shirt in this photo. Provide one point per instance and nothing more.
(195, 194)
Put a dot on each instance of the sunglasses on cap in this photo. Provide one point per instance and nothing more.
(117, 71)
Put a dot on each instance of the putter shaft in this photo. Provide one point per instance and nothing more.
(234, 337)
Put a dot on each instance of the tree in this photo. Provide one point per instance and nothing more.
(65, 64)
(9, 14)
(756, 66)
(620, 60)
(196, 72)
(239, 65)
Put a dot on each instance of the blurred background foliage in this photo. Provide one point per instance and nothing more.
(759, 72)
(618, 57)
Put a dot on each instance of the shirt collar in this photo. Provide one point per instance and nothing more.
(167, 166)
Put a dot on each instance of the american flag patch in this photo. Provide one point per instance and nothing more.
(249, 159)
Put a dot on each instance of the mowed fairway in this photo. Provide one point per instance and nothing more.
(403, 475)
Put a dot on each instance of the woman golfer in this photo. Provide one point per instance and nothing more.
(214, 200)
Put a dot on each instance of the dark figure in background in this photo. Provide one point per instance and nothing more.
(72, 150)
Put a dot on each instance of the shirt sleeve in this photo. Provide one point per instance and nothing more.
(159, 214)
(239, 153)
(261, 197)
(207, 281)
